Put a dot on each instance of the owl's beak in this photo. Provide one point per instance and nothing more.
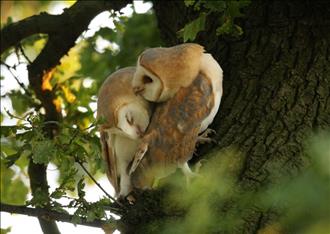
(138, 89)
(139, 131)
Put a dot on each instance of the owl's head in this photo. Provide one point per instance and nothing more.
(124, 112)
(133, 119)
(161, 72)
(148, 85)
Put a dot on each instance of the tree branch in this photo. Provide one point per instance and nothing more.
(12, 34)
(52, 215)
(45, 23)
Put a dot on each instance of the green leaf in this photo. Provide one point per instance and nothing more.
(13, 191)
(90, 215)
(234, 9)
(76, 219)
(11, 159)
(40, 198)
(67, 177)
(189, 3)
(58, 193)
(238, 30)
(20, 102)
(58, 207)
(107, 33)
(190, 30)
(8, 148)
(5, 231)
(7, 130)
(120, 27)
(80, 187)
(225, 28)
(42, 151)
(217, 6)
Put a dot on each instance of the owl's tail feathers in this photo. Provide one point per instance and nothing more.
(109, 158)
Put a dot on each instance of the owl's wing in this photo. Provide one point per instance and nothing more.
(138, 156)
(109, 156)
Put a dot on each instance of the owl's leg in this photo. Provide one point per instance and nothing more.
(204, 137)
(189, 174)
(125, 185)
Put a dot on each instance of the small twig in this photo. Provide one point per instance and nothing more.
(16, 78)
(53, 215)
(97, 184)
(51, 122)
(14, 116)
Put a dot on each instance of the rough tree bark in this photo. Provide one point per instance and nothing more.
(276, 85)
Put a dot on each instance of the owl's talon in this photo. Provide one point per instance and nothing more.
(131, 199)
(204, 137)
(203, 140)
(209, 131)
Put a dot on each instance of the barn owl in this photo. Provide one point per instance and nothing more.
(161, 72)
(126, 117)
(170, 139)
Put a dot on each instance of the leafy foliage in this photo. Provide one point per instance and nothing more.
(228, 10)
(5, 231)
(13, 190)
(190, 30)
(301, 202)
(75, 83)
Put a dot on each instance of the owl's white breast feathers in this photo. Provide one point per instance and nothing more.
(124, 148)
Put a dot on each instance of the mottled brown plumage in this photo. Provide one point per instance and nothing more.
(182, 63)
(172, 133)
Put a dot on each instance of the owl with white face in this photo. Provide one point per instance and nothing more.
(161, 72)
(125, 118)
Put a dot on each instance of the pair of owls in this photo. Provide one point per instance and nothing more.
(140, 142)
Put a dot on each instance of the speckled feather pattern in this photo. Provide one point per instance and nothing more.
(173, 131)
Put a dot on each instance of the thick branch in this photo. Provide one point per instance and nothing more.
(45, 23)
(52, 215)
(12, 34)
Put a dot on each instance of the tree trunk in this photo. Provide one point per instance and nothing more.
(276, 85)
